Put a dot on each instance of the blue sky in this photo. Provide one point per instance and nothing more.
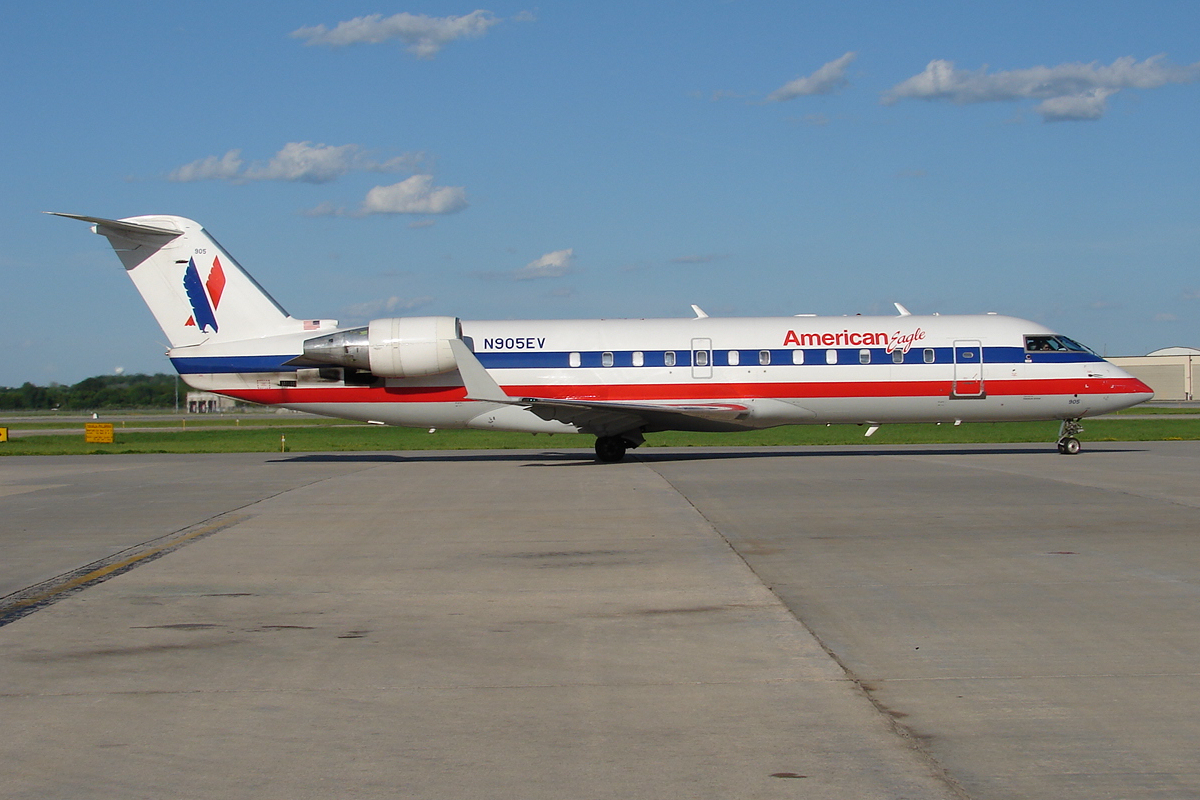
(607, 160)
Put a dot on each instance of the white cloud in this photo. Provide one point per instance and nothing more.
(303, 161)
(297, 161)
(376, 308)
(1085, 106)
(321, 163)
(724, 94)
(827, 79)
(424, 36)
(1068, 91)
(225, 167)
(325, 209)
(551, 265)
(706, 258)
(416, 195)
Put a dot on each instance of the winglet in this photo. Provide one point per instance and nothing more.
(904, 312)
(480, 385)
(699, 312)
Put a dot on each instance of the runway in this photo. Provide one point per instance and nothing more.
(870, 622)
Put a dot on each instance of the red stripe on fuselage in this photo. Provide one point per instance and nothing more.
(690, 391)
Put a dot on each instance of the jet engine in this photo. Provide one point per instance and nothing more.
(400, 347)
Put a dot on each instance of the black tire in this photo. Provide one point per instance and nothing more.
(610, 449)
(1069, 446)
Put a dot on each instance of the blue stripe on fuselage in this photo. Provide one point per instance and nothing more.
(204, 365)
(528, 359)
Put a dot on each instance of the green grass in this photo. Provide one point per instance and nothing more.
(1151, 410)
(327, 435)
(181, 423)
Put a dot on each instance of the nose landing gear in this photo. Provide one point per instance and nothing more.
(1068, 445)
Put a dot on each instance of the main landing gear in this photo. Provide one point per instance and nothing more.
(1068, 445)
(610, 449)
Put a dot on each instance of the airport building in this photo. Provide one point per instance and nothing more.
(1169, 372)
(209, 403)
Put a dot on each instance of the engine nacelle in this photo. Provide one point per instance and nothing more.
(399, 347)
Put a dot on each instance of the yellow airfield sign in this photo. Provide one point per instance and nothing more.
(98, 433)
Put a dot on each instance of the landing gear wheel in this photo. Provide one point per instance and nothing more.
(1069, 446)
(610, 449)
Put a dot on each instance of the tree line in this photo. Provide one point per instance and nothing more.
(90, 394)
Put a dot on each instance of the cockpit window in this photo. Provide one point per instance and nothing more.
(1054, 344)
(1075, 346)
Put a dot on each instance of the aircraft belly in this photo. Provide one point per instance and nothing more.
(682, 403)
(486, 416)
(514, 418)
(415, 415)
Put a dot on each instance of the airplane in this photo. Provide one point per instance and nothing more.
(616, 379)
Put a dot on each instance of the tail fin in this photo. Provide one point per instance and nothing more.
(195, 290)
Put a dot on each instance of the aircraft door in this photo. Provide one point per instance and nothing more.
(702, 358)
(968, 369)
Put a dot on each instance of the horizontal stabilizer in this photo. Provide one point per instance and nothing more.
(121, 226)
(197, 292)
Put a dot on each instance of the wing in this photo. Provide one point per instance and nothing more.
(606, 418)
(599, 417)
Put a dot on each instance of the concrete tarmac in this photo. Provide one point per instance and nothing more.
(866, 622)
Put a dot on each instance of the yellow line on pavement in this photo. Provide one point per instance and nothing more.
(102, 572)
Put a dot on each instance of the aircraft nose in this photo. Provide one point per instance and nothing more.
(1132, 390)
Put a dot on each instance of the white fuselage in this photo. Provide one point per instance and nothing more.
(782, 371)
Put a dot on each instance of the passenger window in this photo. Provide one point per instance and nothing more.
(701, 358)
(606, 359)
(864, 356)
(897, 356)
(638, 358)
(797, 356)
(574, 360)
(928, 355)
(734, 358)
(764, 357)
(831, 356)
(669, 358)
